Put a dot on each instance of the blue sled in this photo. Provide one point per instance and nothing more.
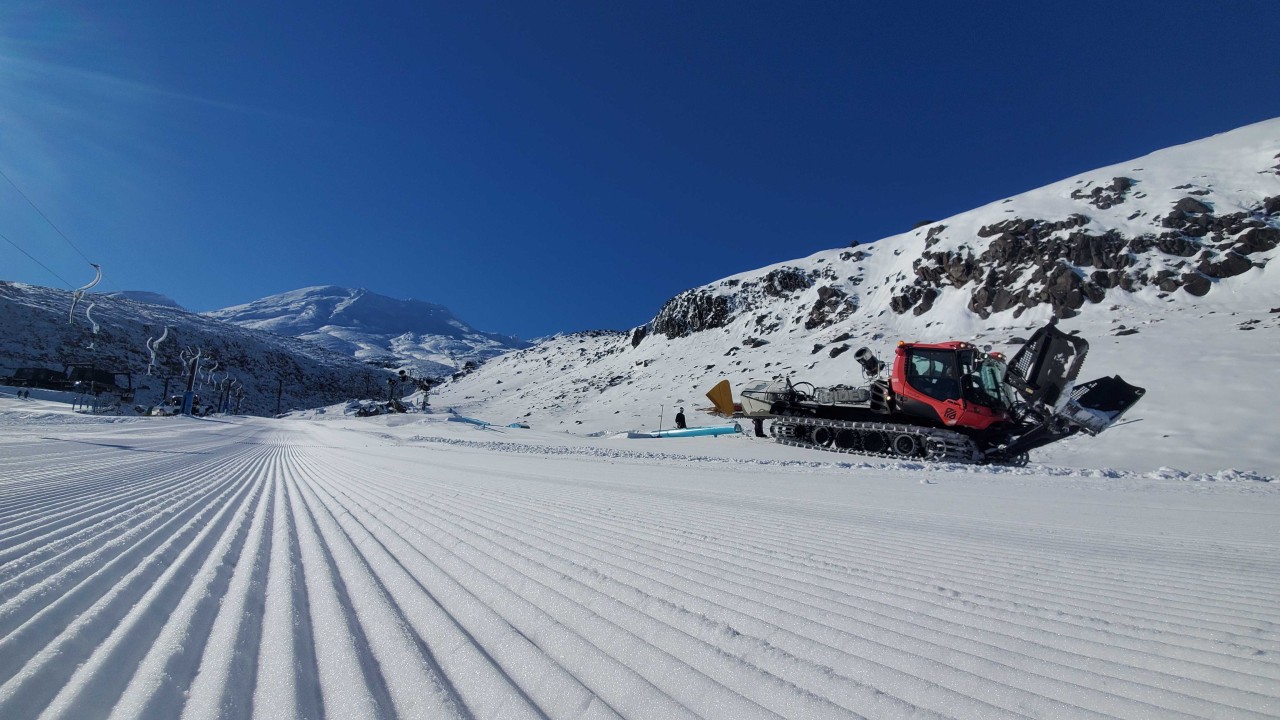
(473, 421)
(690, 432)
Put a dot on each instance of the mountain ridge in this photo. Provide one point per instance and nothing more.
(425, 338)
(36, 330)
(942, 281)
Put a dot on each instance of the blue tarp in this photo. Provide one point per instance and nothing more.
(689, 432)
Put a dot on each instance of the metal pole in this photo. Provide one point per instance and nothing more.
(188, 398)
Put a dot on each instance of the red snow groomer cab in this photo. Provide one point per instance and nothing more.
(950, 402)
(950, 383)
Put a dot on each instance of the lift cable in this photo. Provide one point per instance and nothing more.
(29, 255)
(46, 217)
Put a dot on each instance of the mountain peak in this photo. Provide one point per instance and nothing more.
(145, 296)
(424, 336)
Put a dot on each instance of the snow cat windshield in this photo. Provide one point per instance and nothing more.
(985, 375)
(945, 374)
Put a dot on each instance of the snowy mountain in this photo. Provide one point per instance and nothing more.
(145, 296)
(422, 336)
(1163, 263)
(39, 330)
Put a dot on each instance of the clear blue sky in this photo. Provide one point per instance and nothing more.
(560, 166)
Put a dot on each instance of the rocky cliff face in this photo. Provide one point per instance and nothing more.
(1175, 225)
(718, 305)
(1144, 259)
(1033, 261)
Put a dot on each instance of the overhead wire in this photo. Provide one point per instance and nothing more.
(46, 217)
(29, 255)
(52, 225)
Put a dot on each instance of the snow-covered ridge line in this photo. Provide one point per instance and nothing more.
(1185, 221)
(273, 371)
(425, 338)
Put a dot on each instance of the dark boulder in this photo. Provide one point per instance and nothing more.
(1064, 291)
(1258, 239)
(832, 306)
(1175, 244)
(783, 281)
(926, 301)
(1196, 284)
(1105, 196)
(1192, 205)
(1229, 264)
(1167, 280)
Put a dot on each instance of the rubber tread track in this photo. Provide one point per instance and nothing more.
(937, 445)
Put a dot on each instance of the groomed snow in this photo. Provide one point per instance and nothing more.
(402, 566)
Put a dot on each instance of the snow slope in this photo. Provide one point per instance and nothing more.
(145, 296)
(423, 337)
(322, 566)
(38, 330)
(1183, 302)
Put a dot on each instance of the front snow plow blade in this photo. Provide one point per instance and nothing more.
(1096, 405)
(1089, 407)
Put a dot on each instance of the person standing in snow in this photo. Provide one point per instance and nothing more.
(680, 419)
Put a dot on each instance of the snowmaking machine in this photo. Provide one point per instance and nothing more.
(949, 402)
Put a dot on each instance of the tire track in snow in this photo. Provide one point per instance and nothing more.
(925, 590)
(913, 682)
(286, 672)
(901, 553)
(741, 550)
(619, 686)
(345, 671)
(408, 677)
(888, 619)
(66, 544)
(1259, 586)
(492, 650)
(622, 688)
(458, 654)
(616, 614)
(225, 681)
(522, 513)
(120, 593)
(176, 654)
(278, 574)
(101, 585)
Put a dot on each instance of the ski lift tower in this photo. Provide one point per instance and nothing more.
(188, 397)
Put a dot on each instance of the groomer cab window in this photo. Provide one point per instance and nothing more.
(935, 373)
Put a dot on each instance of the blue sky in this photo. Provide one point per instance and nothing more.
(544, 167)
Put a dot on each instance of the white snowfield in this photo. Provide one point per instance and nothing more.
(328, 567)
